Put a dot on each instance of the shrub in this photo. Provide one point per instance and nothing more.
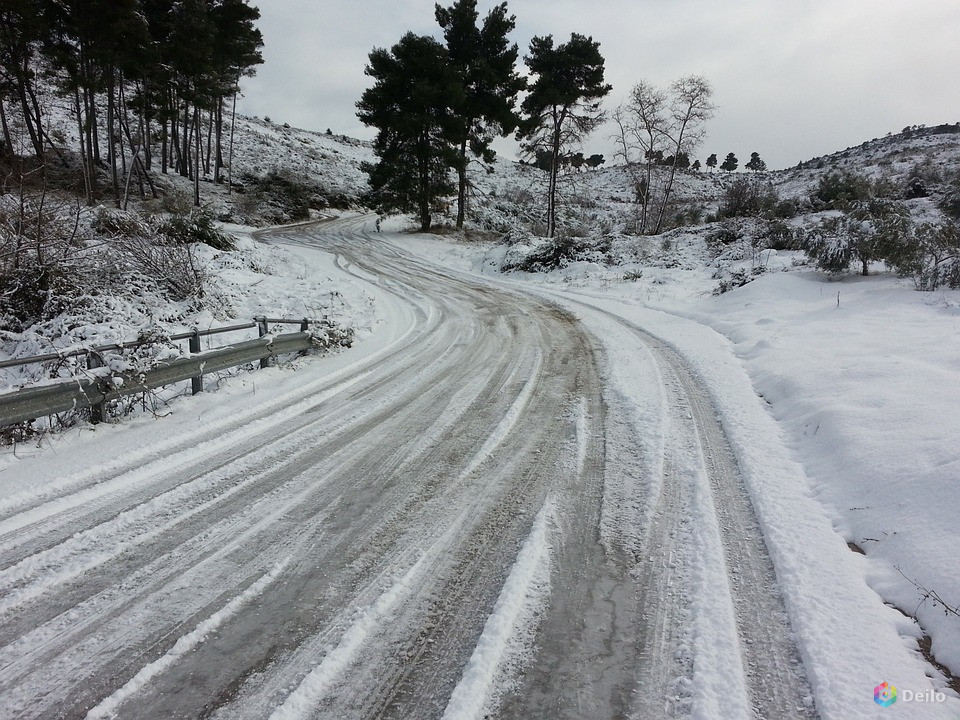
(726, 233)
(777, 235)
(748, 197)
(949, 203)
(160, 251)
(197, 226)
(43, 257)
(840, 190)
(171, 266)
(870, 231)
(931, 256)
(560, 252)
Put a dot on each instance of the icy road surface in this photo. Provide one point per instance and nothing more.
(467, 521)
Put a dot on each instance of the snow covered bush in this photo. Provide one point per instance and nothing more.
(195, 226)
(330, 334)
(43, 256)
(156, 251)
(872, 230)
(839, 190)
(931, 256)
(560, 252)
(749, 196)
(277, 197)
(949, 203)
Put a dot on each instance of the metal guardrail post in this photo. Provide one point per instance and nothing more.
(96, 410)
(304, 325)
(263, 330)
(196, 382)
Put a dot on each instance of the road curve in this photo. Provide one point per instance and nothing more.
(444, 531)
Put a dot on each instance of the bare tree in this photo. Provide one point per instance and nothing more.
(643, 124)
(691, 106)
(654, 123)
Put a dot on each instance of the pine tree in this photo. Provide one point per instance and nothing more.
(563, 103)
(236, 53)
(595, 161)
(410, 103)
(484, 61)
(756, 164)
(21, 30)
(712, 161)
(730, 163)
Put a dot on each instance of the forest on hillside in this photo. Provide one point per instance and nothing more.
(146, 81)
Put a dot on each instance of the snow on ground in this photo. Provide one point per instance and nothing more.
(255, 279)
(509, 630)
(280, 281)
(858, 403)
(853, 384)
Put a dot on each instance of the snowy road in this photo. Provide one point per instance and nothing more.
(469, 520)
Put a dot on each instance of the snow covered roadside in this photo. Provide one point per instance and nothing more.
(859, 427)
(281, 281)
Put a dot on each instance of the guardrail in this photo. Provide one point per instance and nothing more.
(96, 389)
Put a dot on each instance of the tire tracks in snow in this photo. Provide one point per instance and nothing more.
(738, 656)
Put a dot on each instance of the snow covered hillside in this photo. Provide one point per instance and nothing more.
(111, 281)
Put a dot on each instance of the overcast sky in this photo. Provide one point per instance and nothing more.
(792, 79)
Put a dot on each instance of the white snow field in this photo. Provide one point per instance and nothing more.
(561, 498)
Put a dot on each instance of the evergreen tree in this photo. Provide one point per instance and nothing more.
(236, 53)
(730, 163)
(595, 161)
(563, 103)
(869, 231)
(756, 164)
(484, 61)
(21, 30)
(123, 65)
(712, 161)
(410, 103)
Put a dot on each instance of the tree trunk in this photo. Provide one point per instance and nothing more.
(552, 189)
(35, 138)
(92, 124)
(186, 164)
(233, 125)
(88, 129)
(136, 164)
(206, 157)
(163, 147)
(6, 148)
(176, 159)
(218, 149)
(144, 124)
(423, 190)
(111, 142)
(673, 172)
(462, 186)
(87, 170)
(196, 159)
